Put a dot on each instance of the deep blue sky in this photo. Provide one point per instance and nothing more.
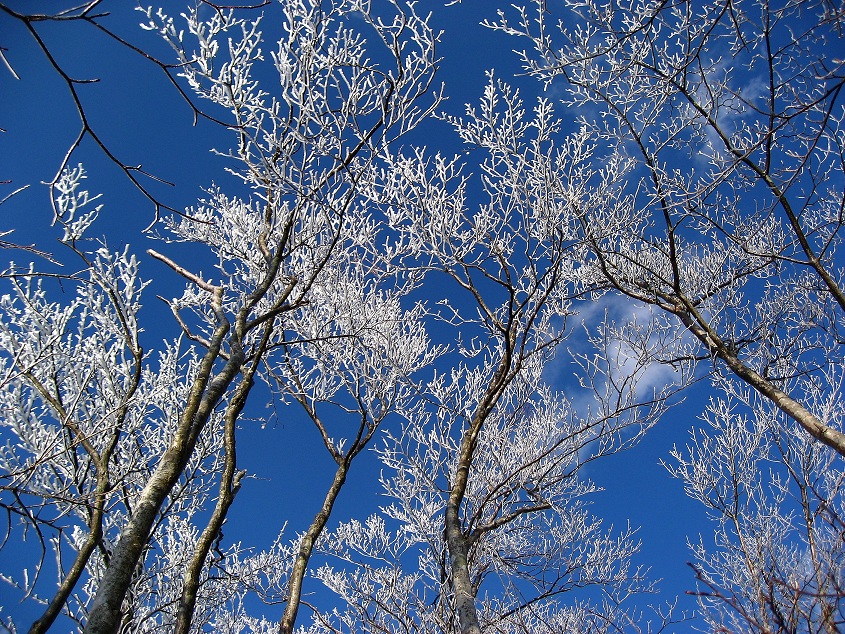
(144, 121)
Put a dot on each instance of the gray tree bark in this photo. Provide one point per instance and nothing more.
(105, 615)
(306, 548)
(456, 541)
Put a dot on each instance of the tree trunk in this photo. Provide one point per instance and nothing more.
(306, 548)
(104, 617)
(455, 539)
(229, 487)
(696, 324)
(461, 583)
(53, 610)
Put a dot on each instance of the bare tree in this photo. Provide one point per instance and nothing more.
(776, 561)
(357, 360)
(719, 131)
(278, 251)
(485, 484)
(719, 125)
(90, 415)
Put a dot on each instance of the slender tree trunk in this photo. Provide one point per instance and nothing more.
(229, 487)
(69, 582)
(461, 582)
(105, 614)
(306, 548)
(95, 522)
(831, 437)
(456, 541)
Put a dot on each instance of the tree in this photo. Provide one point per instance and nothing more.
(485, 478)
(362, 342)
(719, 126)
(92, 416)
(740, 243)
(300, 156)
(426, 306)
(775, 564)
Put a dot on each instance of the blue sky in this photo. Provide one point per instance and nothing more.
(143, 121)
